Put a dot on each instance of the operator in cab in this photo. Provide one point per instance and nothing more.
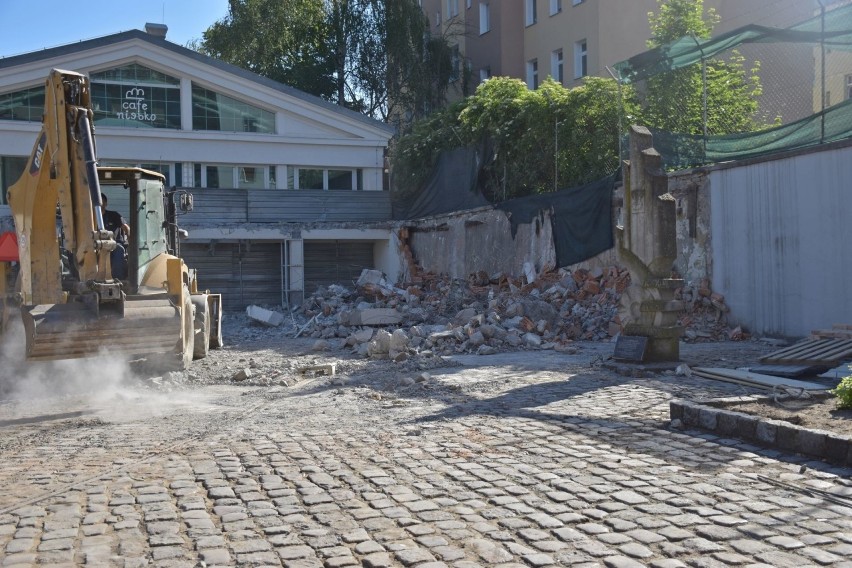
(113, 221)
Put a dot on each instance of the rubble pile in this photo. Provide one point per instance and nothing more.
(483, 314)
(705, 315)
(489, 313)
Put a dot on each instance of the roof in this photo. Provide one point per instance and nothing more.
(81, 46)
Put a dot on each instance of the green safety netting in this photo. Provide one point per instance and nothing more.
(833, 30)
(685, 151)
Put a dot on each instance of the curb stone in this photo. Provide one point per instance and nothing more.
(773, 434)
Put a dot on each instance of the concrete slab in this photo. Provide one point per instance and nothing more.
(264, 316)
(755, 379)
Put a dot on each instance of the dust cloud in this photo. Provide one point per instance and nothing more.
(107, 385)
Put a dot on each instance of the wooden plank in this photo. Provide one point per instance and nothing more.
(755, 379)
(819, 352)
(832, 333)
(798, 348)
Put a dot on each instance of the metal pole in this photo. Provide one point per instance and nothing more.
(620, 113)
(555, 153)
(704, 95)
(822, 61)
(703, 89)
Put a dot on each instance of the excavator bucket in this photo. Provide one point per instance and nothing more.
(64, 331)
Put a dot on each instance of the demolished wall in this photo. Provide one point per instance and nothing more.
(468, 242)
(691, 190)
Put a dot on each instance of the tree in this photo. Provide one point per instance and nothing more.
(537, 140)
(283, 41)
(367, 55)
(674, 100)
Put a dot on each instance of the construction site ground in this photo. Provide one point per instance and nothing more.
(255, 457)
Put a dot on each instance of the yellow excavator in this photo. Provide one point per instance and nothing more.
(78, 290)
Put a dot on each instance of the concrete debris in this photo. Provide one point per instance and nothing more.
(329, 369)
(705, 315)
(371, 316)
(264, 316)
(241, 375)
(490, 313)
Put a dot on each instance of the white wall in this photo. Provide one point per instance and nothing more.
(782, 242)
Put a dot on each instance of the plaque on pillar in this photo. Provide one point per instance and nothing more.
(630, 348)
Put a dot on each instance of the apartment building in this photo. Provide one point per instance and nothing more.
(570, 39)
(486, 39)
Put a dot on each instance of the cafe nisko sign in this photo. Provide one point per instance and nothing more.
(135, 107)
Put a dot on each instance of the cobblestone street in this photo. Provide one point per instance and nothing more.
(519, 459)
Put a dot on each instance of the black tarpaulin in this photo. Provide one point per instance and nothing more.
(581, 218)
(451, 188)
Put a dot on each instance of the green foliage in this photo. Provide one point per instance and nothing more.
(537, 141)
(674, 100)
(368, 55)
(284, 41)
(414, 155)
(843, 393)
(678, 18)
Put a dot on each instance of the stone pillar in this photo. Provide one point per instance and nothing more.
(647, 247)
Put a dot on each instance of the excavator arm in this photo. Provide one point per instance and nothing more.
(62, 170)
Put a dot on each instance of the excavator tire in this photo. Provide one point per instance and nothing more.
(216, 339)
(201, 344)
(183, 358)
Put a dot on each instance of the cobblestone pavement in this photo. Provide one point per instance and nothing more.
(531, 459)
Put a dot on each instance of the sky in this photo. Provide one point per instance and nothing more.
(30, 25)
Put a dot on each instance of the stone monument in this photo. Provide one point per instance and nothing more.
(647, 246)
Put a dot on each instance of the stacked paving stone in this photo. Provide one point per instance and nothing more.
(489, 313)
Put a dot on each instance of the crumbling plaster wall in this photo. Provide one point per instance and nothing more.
(461, 244)
(691, 190)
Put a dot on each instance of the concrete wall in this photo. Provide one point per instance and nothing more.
(691, 191)
(780, 239)
(462, 244)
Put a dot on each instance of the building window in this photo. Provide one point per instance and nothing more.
(576, 2)
(11, 169)
(532, 74)
(484, 74)
(136, 96)
(452, 8)
(581, 59)
(340, 179)
(469, 2)
(438, 19)
(555, 7)
(531, 15)
(215, 111)
(321, 179)
(27, 104)
(849, 86)
(226, 176)
(455, 64)
(484, 18)
(556, 66)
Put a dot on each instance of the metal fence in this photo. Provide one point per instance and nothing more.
(753, 91)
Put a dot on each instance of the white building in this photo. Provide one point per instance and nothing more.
(288, 187)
